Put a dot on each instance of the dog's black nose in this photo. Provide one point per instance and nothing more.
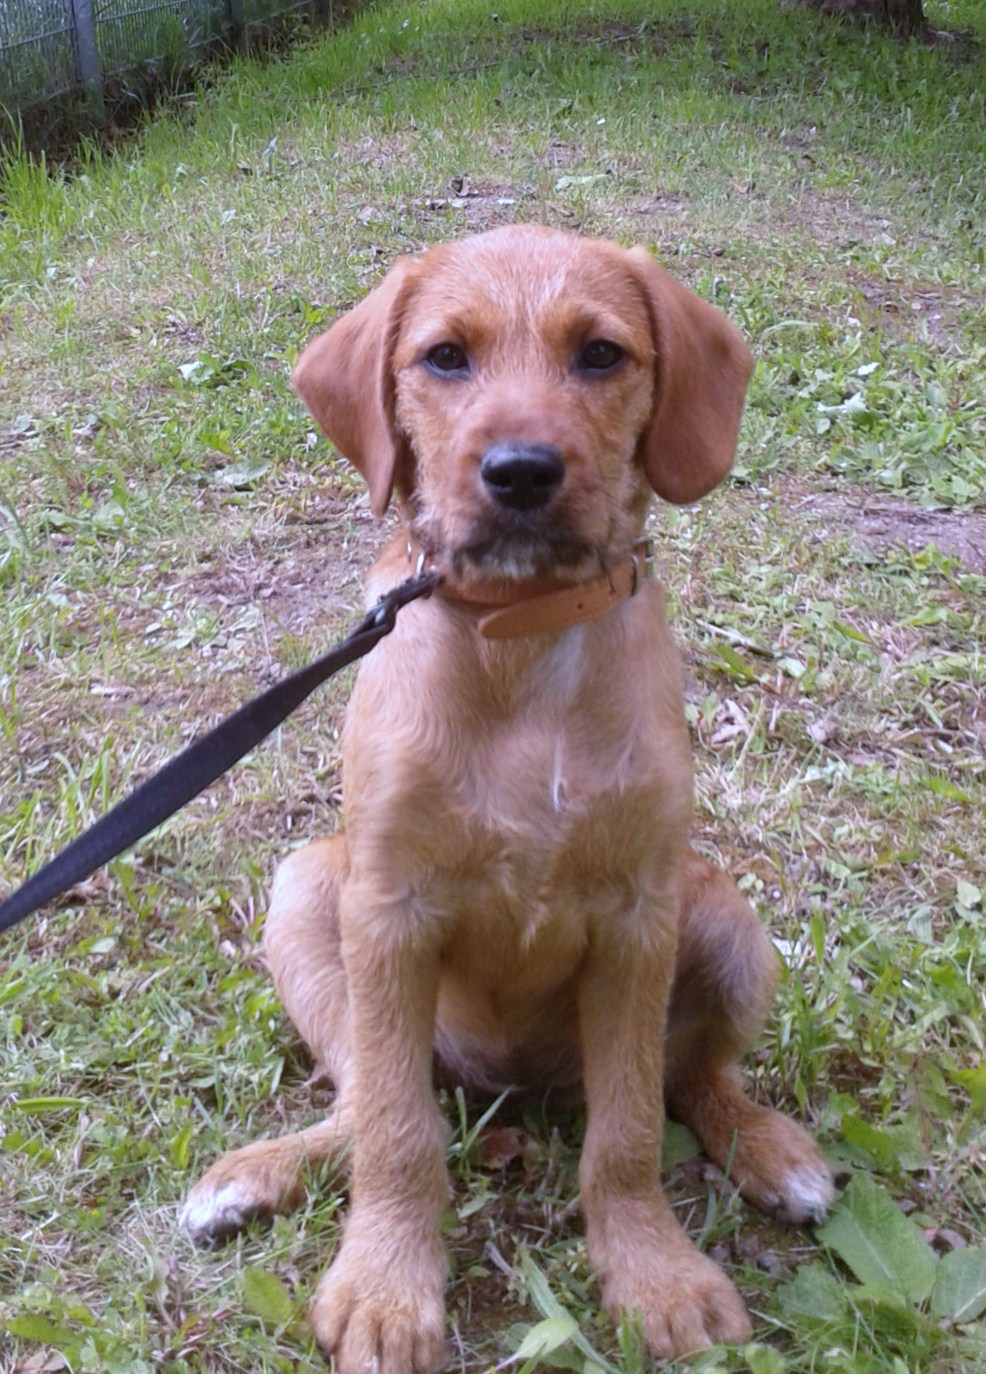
(522, 476)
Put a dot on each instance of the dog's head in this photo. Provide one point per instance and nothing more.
(525, 390)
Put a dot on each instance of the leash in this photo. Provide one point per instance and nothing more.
(205, 760)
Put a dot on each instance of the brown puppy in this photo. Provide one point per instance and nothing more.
(515, 893)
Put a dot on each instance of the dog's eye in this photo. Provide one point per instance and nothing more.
(447, 357)
(599, 355)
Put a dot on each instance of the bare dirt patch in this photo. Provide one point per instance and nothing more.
(484, 204)
(880, 523)
(308, 574)
(903, 310)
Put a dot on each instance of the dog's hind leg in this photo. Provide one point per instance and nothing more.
(301, 941)
(725, 979)
(302, 945)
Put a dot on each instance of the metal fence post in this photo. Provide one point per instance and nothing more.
(88, 65)
(236, 25)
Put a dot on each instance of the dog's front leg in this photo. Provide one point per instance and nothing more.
(647, 1264)
(380, 1307)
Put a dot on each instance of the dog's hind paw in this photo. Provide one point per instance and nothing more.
(251, 1184)
(210, 1216)
(804, 1195)
(781, 1170)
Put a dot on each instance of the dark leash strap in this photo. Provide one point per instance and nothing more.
(191, 772)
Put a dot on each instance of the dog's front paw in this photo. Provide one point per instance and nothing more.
(381, 1317)
(683, 1306)
(258, 1181)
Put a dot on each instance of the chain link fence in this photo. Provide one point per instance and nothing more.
(53, 50)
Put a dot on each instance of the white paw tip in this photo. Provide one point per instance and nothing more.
(211, 1214)
(808, 1193)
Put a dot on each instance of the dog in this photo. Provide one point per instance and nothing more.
(515, 896)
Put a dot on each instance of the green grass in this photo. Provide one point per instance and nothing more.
(172, 537)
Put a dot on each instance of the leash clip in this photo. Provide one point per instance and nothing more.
(422, 559)
(642, 557)
(422, 582)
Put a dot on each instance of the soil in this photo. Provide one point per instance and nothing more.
(879, 523)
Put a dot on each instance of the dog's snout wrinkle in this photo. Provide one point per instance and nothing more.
(522, 476)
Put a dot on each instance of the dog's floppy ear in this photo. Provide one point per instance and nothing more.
(345, 377)
(703, 366)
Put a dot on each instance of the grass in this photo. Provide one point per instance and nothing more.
(172, 536)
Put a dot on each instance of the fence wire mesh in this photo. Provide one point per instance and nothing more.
(38, 52)
(52, 48)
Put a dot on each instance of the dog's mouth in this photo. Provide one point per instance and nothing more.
(520, 555)
(520, 550)
(551, 545)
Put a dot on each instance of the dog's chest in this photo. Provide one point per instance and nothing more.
(553, 823)
(526, 797)
(546, 850)
(552, 755)
(531, 790)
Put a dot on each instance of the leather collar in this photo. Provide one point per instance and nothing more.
(539, 606)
